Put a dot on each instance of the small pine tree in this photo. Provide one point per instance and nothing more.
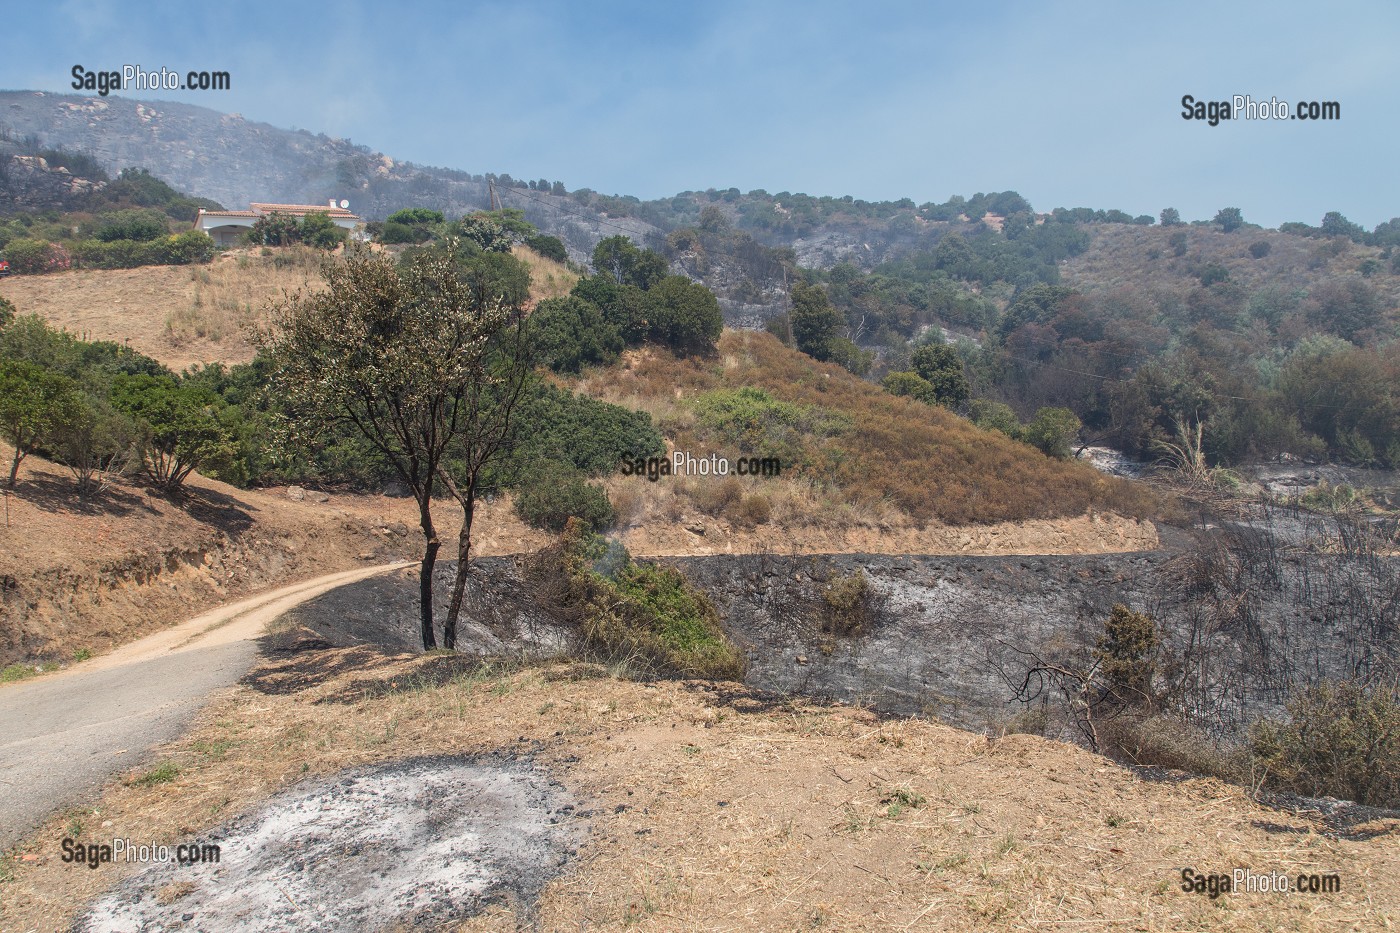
(1127, 655)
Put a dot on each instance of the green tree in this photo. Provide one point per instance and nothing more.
(182, 427)
(275, 229)
(1053, 431)
(619, 258)
(319, 231)
(815, 322)
(550, 247)
(1334, 223)
(33, 403)
(687, 315)
(1171, 217)
(431, 376)
(571, 333)
(942, 368)
(132, 225)
(1127, 652)
(1230, 219)
(7, 313)
(96, 444)
(415, 216)
(485, 232)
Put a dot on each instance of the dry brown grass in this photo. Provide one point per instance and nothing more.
(548, 279)
(927, 463)
(183, 315)
(180, 315)
(715, 809)
(1119, 257)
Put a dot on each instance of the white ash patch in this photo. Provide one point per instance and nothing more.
(416, 842)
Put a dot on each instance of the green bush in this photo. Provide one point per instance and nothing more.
(910, 384)
(550, 247)
(757, 423)
(686, 317)
(640, 613)
(1127, 654)
(995, 416)
(139, 225)
(571, 333)
(35, 257)
(1053, 431)
(192, 246)
(550, 496)
(1340, 740)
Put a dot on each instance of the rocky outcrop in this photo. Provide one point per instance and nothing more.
(30, 183)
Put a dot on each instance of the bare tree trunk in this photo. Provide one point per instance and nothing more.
(459, 583)
(425, 571)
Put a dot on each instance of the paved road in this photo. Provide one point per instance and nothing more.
(62, 736)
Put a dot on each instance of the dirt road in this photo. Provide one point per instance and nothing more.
(63, 735)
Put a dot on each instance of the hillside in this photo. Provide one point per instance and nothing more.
(857, 448)
(183, 315)
(79, 577)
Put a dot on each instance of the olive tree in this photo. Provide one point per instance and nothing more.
(426, 367)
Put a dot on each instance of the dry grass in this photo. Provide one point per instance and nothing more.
(1121, 255)
(178, 314)
(714, 809)
(926, 463)
(548, 279)
(183, 315)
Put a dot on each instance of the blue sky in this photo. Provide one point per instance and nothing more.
(1068, 103)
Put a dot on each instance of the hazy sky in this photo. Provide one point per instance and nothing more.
(1068, 103)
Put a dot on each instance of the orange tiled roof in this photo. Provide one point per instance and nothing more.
(300, 209)
(230, 213)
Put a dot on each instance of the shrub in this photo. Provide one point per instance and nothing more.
(849, 603)
(551, 496)
(183, 249)
(550, 247)
(638, 612)
(1126, 652)
(1053, 431)
(35, 257)
(757, 423)
(1163, 742)
(1340, 740)
(753, 510)
(139, 225)
(1259, 249)
(909, 384)
(687, 317)
(571, 333)
(995, 416)
(714, 497)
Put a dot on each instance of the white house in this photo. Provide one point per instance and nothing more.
(225, 227)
